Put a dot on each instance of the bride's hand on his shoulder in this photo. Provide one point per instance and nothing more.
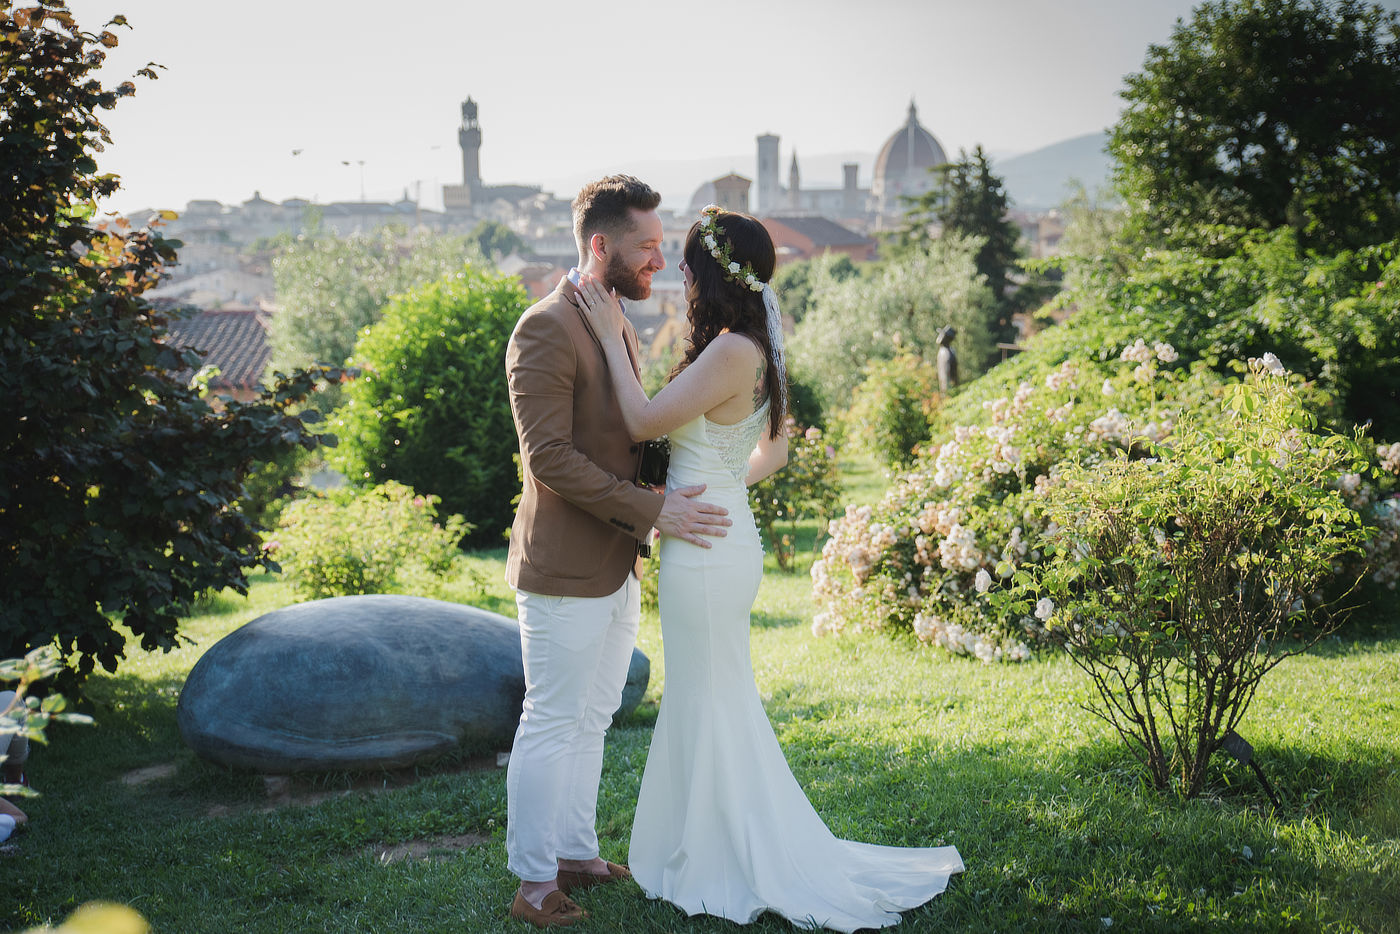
(602, 305)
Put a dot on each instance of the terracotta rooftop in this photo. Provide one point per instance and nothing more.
(821, 231)
(235, 341)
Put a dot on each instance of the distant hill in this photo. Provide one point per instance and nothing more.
(1042, 179)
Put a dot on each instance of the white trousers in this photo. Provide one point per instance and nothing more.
(576, 652)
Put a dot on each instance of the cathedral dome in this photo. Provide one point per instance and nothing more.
(902, 168)
(704, 195)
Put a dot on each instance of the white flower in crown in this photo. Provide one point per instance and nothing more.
(740, 273)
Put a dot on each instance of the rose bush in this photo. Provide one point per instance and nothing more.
(1178, 580)
(925, 558)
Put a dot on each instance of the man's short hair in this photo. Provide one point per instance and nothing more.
(604, 207)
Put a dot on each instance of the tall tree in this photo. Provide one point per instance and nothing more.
(1265, 114)
(796, 283)
(117, 478)
(329, 288)
(969, 200)
(495, 240)
(900, 307)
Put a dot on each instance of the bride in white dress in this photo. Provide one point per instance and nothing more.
(722, 827)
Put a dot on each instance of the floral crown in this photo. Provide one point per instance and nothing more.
(710, 231)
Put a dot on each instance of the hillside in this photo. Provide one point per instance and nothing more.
(1042, 178)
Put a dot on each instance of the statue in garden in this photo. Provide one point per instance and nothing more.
(947, 359)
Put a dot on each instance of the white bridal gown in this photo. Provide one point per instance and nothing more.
(722, 827)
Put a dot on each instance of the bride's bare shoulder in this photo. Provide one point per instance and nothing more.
(735, 348)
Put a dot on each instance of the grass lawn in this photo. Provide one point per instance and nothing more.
(894, 744)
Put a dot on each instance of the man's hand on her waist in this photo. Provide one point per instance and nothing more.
(691, 520)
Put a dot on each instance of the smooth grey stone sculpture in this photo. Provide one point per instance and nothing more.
(365, 682)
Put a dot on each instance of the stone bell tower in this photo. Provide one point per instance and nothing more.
(469, 138)
(461, 198)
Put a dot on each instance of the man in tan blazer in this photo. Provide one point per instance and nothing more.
(574, 553)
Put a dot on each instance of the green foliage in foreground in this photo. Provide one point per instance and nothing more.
(117, 475)
(894, 744)
(27, 715)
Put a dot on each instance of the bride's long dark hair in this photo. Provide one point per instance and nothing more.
(716, 303)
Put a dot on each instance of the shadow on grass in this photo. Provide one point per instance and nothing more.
(1053, 839)
(1306, 782)
(775, 620)
(1050, 844)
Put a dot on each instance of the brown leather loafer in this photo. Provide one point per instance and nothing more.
(570, 881)
(556, 911)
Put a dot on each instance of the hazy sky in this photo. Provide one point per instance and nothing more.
(569, 91)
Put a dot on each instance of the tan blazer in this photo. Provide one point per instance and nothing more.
(581, 516)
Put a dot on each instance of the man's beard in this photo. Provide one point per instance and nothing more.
(628, 282)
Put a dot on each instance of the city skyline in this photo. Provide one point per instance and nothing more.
(335, 101)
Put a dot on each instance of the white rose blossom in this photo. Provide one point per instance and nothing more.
(1268, 363)
(1137, 352)
(1389, 456)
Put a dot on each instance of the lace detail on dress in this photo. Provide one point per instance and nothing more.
(734, 443)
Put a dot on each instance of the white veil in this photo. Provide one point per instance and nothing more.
(775, 338)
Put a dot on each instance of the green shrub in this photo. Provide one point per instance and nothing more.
(383, 540)
(1177, 581)
(795, 282)
(890, 409)
(1334, 318)
(431, 409)
(651, 578)
(809, 487)
(805, 403)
